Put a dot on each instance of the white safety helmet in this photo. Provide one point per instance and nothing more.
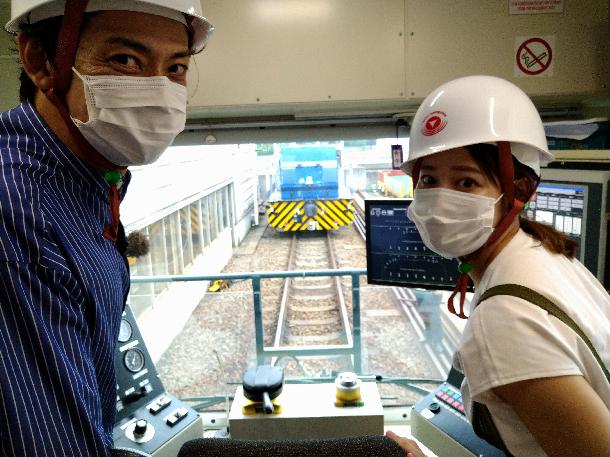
(478, 109)
(186, 11)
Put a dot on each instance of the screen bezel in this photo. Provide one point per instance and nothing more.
(367, 220)
(594, 244)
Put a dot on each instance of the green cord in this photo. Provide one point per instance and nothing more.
(464, 267)
(112, 176)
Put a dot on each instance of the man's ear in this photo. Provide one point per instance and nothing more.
(34, 62)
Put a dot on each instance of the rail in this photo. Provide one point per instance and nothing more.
(359, 221)
(326, 261)
(354, 348)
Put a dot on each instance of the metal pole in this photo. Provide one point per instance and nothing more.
(258, 320)
(356, 322)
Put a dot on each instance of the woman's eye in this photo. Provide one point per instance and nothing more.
(427, 180)
(467, 183)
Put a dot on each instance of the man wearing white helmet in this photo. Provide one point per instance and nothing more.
(538, 379)
(103, 87)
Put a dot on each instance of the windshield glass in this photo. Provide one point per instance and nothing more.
(272, 210)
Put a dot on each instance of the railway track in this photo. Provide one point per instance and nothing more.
(359, 222)
(312, 310)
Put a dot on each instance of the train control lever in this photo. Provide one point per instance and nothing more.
(261, 386)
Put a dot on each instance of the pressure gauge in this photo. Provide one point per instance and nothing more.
(125, 331)
(134, 360)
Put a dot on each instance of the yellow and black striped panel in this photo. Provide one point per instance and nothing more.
(292, 216)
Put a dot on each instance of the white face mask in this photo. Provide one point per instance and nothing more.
(132, 120)
(452, 223)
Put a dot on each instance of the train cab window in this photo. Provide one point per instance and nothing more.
(273, 239)
(264, 213)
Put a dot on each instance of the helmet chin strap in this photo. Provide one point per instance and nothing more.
(507, 181)
(67, 44)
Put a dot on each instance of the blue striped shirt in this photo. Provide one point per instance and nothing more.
(62, 290)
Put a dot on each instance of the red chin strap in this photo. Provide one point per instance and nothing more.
(67, 44)
(415, 173)
(507, 181)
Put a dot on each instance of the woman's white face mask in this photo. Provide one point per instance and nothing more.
(452, 223)
(132, 120)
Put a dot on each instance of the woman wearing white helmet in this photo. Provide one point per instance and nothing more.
(103, 87)
(476, 147)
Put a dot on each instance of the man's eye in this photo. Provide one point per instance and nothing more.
(178, 69)
(467, 183)
(427, 180)
(124, 59)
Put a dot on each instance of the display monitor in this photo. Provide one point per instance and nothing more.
(395, 253)
(562, 206)
(575, 202)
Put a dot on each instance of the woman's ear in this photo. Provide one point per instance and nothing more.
(524, 188)
(34, 62)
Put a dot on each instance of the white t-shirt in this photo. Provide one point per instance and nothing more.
(507, 339)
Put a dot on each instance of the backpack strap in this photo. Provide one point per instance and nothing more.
(534, 297)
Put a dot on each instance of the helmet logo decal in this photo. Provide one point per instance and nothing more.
(434, 123)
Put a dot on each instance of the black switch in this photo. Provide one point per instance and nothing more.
(176, 416)
(154, 408)
(171, 420)
(164, 401)
(140, 428)
(434, 407)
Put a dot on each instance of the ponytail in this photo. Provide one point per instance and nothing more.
(551, 239)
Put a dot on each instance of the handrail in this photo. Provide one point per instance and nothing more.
(354, 348)
(262, 274)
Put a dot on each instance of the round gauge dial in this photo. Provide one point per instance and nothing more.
(125, 331)
(134, 360)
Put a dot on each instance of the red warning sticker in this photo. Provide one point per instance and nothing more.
(434, 123)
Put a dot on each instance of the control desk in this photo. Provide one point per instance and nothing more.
(439, 421)
(149, 419)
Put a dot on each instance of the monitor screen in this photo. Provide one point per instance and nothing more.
(573, 202)
(395, 253)
(562, 206)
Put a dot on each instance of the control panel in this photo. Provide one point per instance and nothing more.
(439, 422)
(148, 418)
(307, 411)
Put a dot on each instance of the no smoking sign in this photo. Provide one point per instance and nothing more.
(534, 56)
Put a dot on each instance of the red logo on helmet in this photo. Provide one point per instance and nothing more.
(434, 123)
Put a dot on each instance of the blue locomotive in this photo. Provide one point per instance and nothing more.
(311, 194)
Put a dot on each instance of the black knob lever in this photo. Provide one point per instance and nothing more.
(135, 396)
(140, 428)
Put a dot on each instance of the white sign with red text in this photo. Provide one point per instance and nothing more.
(535, 6)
